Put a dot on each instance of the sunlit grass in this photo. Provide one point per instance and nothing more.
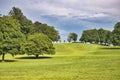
(74, 61)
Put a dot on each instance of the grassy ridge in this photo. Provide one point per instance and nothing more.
(73, 61)
(75, 49)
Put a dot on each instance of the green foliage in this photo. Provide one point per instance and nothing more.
(105, 36)
(72, 37)
(26, 24)
(38, 44)
(16, 29)
(47, 30)
(28, 27)
(90, 36)
(10, 36)
(98, 36)
(116, 34)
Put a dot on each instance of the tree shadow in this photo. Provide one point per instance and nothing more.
(32, 57)
(9, 61)
(114, 48)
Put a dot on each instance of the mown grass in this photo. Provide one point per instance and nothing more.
(74, 61)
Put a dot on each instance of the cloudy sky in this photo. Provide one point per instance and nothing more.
(68, 15)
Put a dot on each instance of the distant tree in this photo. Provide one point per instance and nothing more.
(102, 35)
(50, 31)
(90, 36)
(84, 37)
(96, 36)
(26, 24)
(72, 37)
(116, 34)
(109, 37)
(37, 44)
(10, 36)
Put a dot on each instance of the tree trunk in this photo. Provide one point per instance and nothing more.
(36, 55)
(3, 57)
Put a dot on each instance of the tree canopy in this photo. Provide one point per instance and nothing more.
(47, 30)
(26, 24)
(116, 34)
(10, 36)
(19, 35)
(97, 36)
(72, 37)
(27, 27)
(37, 44)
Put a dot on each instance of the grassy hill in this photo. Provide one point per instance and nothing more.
(80, 49)
(74, 61)
(75, 49)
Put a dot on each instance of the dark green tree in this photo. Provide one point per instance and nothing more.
(50, 31)
(90, 36)
(26, 24)
(108, 37)
(37, 44)
(84, 37)
(116, 34)
(10, 36)
(102, 35)
(72, 37)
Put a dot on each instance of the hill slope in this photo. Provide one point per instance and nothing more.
(80, 49)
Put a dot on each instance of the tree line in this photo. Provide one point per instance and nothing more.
(19, 35)
(102, 36)
(99, 36)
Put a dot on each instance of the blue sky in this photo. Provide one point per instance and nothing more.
(68, 15)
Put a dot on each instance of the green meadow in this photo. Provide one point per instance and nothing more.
(72, 61)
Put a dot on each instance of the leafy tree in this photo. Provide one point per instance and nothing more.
(109, 37)
(26, 24)
(10, 36)
(116, 34)
(47, 30)
(28, 27)
(38, 44)
(84, 37)
(72, 37)
(94, 35)
(102, 35)
(90, 36)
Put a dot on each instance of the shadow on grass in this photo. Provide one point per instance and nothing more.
(32, 57)
(9, 60)
(114, 48)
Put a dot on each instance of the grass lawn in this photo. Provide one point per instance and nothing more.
(74, 61)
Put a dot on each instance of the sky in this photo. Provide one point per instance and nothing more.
(68, 15)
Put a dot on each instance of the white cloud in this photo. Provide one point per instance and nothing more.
(74, 8)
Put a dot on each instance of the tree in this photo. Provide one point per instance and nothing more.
(37, 44)
(26, 24)
(116, 34)
(47, 30)
(84, 37)
(28, 27)
(10, 36)
(109, 37)
(96, 36)
(72, 37)
(102, 35)
(90, 36)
